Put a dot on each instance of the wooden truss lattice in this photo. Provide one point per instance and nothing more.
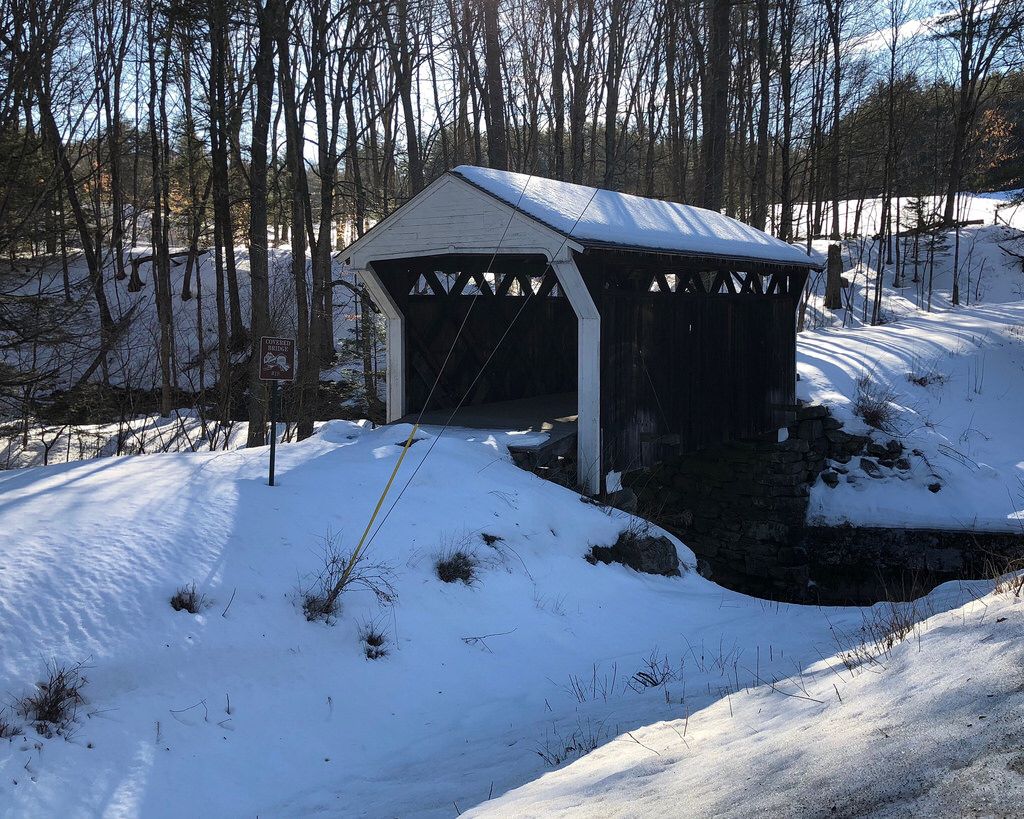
(719, 282)
(467, 283)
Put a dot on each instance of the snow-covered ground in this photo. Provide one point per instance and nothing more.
(952, 377)
(133, 362)
(183, 430)
(997, 207)
(247, 708)
(931, 727)
(960, 422)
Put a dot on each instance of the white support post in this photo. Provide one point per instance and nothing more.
(395, 342)
(588, 374)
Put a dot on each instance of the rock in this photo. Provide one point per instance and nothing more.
(624, 499)
(894, 448)
(792, 556)
(902, 464)
(678, 520)
(875, 450)
(810, 430)
(845, 442)
(842, 458)
(830, 479)
(943, 559)
(812, 412)
(870, 468)
(636, 476)
(934, 487)
(888, 463)
(641, 552)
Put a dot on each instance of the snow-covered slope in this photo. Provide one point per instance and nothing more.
(133, 362)
(931, 728)
(249, 709)
(860, 216)
(954, 381)
(951, 376)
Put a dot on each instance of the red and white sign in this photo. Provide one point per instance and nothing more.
(277, 359)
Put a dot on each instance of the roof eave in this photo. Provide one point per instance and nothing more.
(808, 263)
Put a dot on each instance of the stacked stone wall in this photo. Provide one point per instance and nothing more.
(742, 508)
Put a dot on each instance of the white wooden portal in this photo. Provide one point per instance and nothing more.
(452, 216)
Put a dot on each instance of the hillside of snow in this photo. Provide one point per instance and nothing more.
(483, 688)
(133, 362)
(929, 727)
(951, 377)
(954, 382)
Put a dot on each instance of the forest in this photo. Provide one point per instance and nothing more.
(145, 144)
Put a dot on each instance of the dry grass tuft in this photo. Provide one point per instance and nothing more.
(874, 404)
(456, 565)
(187, 598)
(375, 641)
(55, 704)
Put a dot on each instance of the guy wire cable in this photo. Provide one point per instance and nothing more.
(363, 542)
(473, 384)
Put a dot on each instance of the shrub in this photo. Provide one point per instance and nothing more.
(455, 564)
(874, 404)
(341, 571)
(187, 598)
(884, 627)
(557, 749)
(55, 704)
(491, 540)
(655, 672)
(925, 377)
(7, 728)
(375, 641)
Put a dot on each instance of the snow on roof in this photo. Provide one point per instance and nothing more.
(593, 216)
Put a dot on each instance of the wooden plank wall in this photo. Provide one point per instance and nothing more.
(680, 371)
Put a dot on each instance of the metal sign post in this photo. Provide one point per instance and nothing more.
(277, 364)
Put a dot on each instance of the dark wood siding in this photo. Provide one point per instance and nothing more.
(680, 372)
(709, 355)
(693, 351)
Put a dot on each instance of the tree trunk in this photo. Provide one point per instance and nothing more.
(834, 278)
(219, 155)
(259, 321)
(716, 108)
(308, 376)
(497, 142)
(557, 8)
(759, 192)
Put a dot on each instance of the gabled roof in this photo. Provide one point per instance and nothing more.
(600, 218)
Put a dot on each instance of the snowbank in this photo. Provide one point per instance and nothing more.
(930, 729)
(960, 418)
(248, 709)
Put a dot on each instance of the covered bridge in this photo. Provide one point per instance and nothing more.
(664, 327)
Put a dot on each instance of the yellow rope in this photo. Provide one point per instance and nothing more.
(362, 541)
